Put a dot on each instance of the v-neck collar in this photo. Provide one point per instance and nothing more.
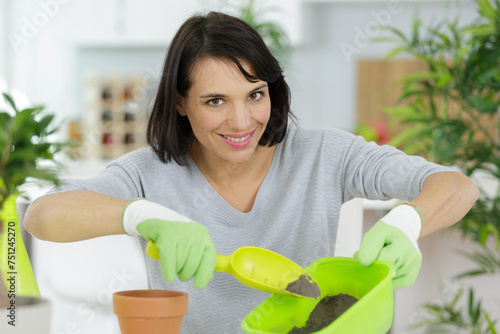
(213, 195)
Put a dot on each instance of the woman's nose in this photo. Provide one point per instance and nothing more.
(239, 118)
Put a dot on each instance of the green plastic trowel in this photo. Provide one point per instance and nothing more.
(262, 269)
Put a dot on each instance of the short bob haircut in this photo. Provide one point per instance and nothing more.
(215, 35)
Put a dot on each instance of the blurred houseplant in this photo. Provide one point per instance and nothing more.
(452, 113)
(24, 144)
(272, 33)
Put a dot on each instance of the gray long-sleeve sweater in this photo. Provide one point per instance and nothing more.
(295, 213)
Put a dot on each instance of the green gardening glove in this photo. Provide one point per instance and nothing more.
(394, 239)
(186, 248)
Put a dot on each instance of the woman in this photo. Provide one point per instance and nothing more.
(226, 170)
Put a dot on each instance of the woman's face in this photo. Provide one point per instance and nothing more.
(228, 113)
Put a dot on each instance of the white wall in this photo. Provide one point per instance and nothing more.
(3, 36)
(322, 78)
(3, 45)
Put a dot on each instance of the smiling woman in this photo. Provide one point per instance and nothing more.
(228, 115)
(229, 123)
(226, 170)
(215, 44)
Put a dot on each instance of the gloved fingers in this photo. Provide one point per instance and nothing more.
(168, 259)
(409, 277)
(399, 283)
(182, 247)
(407, 262)
(192, 263)
(371, 246)
(148, 229)
(391, 253)
(401, 255)
(412, 264)
(181, 257)
(390, 243)
(205, 272)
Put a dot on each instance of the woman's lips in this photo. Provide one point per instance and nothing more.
(238, 141)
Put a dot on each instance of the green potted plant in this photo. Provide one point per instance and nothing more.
(452, 113)
(24, 144)
(272, 33)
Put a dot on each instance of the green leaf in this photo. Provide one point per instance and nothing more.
(9, 99)
(434, 308)
(24, 144)
(483, 235)
(420, 75)
(483, 30)
(444, 80)
(491, 324)
(394, 52)
(397, 32)
(403, 112)
(488, 262)
(403, 137)
(487, 10)
(382, 40)
(470, 273)
(273, 34)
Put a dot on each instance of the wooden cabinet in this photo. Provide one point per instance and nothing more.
(378, 88)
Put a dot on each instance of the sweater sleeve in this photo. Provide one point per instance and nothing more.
(383, 172)
(120, 179)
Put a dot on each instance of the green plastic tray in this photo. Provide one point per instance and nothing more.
(372, 314)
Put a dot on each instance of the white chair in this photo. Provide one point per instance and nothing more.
(350, 229)
(79, 279)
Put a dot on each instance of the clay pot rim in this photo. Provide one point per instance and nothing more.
(150, 303)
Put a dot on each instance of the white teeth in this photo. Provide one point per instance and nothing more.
(237, 140)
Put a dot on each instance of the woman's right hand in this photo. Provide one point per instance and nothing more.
(186, 248)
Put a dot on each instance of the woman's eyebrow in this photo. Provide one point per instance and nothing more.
(217, 95)
(258, 88)
(211, 95)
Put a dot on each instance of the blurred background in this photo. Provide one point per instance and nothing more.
(95, 65)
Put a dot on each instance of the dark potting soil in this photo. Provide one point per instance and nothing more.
(327, 310)
(304, 286)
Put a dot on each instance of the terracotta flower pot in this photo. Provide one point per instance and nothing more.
(150, 311)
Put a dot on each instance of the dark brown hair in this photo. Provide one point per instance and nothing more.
(220, 36)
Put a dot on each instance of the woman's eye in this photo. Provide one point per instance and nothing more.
(255, 96)
(215, 102)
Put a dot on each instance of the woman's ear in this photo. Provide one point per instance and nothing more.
(180, 104)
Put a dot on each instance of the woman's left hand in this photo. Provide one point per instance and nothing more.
(394, 239)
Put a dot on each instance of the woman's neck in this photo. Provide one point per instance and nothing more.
(237, 183)
(226, 174)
